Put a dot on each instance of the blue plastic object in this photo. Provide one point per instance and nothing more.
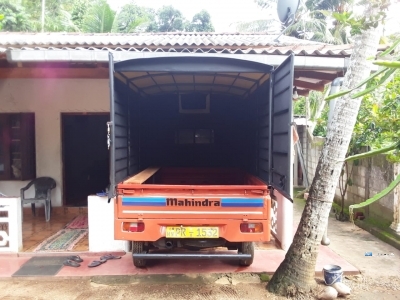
(332, 274)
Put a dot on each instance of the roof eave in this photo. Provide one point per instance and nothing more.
(101, 56)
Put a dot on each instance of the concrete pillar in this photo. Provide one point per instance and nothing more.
(284, 220)
(101, 226)
(396, 203)
(11, 208)
(295, 168)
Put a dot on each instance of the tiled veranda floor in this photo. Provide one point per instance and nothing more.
(35, 229)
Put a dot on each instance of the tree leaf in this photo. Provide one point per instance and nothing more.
(370, 89)
(339, 94)
(390, 49)
(373, 152)
(387, 63)
(378, 196)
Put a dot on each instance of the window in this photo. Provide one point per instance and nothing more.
(195, 136)
(17, 146)
(194, 103)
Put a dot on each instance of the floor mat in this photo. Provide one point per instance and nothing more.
(80, 222)
(41, 266)
(63, 240)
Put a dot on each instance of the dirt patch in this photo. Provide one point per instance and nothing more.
(237, 286)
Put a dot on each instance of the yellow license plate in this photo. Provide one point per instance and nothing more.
(192, 232)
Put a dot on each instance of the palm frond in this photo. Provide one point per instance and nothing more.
(99, 18)
(258, 26)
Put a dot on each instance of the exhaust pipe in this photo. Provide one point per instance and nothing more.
(169, 244)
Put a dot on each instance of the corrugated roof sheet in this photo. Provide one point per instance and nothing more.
(239, 43)
(148, 39)
(325, 51)
(234, 43)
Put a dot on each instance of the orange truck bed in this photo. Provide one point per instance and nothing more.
(192, 208)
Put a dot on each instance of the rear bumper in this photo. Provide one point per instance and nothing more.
(190, 256)
(155, 229)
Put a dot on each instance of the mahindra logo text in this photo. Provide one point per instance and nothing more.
(192, 202)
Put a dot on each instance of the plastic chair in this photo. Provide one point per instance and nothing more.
(43, 187)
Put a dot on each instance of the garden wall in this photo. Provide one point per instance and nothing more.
(369, 177)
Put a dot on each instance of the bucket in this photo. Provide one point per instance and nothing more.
(332, 274)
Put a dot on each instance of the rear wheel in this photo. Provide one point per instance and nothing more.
(246, 248)
(138, 248)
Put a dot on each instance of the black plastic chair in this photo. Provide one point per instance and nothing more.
(43, 187)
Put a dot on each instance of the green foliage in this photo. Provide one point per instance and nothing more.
(358, 24)
(14, 17)
(264, 277)
(378, 122)
(264, 25)
(168, 19)
(57, 15)
(382, 75)
(380, 223)
(338, 208)
(299, 107)
(322, 123)
(266, 3)
(385, 63)
(316, 102)
(133, 18)
(318, 112)
(312, 21)
(99, 18)
(78, 12)
(201, 22)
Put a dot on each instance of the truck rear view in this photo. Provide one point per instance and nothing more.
(169, 209)
(219, 130)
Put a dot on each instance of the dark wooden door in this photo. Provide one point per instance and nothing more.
(85, 157)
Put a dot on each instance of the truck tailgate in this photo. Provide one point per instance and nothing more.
(193, 206)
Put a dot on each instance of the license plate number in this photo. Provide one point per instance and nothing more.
(192, 232)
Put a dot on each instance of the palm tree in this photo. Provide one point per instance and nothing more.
(296, 273)
(99, 18)
(56, 15)
(265, 25)
(312, 21)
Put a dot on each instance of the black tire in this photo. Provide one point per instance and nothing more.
(138, 247)
(246, 248)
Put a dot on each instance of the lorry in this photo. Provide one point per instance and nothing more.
(200, 145)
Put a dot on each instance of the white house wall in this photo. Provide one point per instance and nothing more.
(48, 98)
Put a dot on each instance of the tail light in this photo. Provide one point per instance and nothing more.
(133, 227)
(251, 227)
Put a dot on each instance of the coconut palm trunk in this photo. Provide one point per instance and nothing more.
(296, 273)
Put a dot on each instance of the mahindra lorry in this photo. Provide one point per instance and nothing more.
(199, 146)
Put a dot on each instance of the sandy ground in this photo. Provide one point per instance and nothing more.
(202, 287)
